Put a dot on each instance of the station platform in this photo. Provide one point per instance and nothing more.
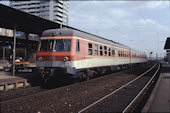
(159, 100)
(7, 81)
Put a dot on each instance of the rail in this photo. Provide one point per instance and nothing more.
(137, 96)
(89, 106)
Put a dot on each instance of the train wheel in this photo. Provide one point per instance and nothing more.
(83, 77)
(80, 76)
(87, 78)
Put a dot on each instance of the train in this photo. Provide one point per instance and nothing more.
(81, 55)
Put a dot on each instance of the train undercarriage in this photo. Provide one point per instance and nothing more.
(49, 73)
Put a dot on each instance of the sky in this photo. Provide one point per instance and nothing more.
(141, 25)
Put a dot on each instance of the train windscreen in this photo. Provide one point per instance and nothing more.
(46, 46)
(60, 45)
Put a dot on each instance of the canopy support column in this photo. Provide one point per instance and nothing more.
(14, 51)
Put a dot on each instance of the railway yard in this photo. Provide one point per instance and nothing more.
(47, 66)
(121, 91)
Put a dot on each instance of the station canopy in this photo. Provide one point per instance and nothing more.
(21, 21)
(167, 44)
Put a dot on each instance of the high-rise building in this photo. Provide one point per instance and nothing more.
(54, 10)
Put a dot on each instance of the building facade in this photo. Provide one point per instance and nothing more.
(54, 10)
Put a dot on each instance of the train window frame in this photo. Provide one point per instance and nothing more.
(109, 51)
(90, 49)
(116, 52)
(78, 46)
(101, 50)
(96, 50)
(105, 50)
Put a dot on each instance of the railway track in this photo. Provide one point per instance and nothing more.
(127, 97)
(63, 99)
(23, 92)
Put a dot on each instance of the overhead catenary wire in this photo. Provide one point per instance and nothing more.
(144, 18)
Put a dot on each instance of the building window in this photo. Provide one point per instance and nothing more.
(78, 46)
(96, 49)
(101, 50)
(105, 50)
(109, 52)
(90, 49)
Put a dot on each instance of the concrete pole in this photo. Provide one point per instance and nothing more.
(26, 49)
(3, 52)
(14, 51)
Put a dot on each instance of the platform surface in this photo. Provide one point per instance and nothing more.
(159, 100)
(7, 76)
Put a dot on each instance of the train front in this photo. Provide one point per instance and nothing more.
(54, 54)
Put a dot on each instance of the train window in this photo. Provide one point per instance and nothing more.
(46, 45)
(109, 52)
(113, 52)
(90, 49)
(96, 49)
(101, 50)
(105, 50)
(78, 46)
(62, 45)
(119, 53)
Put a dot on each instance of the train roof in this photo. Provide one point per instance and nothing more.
(78, 33)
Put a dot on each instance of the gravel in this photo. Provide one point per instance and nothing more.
(71, 98)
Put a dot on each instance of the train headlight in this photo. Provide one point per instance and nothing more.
(40, 58)
(65, 59)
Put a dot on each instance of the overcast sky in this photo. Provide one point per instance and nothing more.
(142, 25)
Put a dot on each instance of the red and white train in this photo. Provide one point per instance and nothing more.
(80, 54)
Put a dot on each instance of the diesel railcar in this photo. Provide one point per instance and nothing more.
(80, 54)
